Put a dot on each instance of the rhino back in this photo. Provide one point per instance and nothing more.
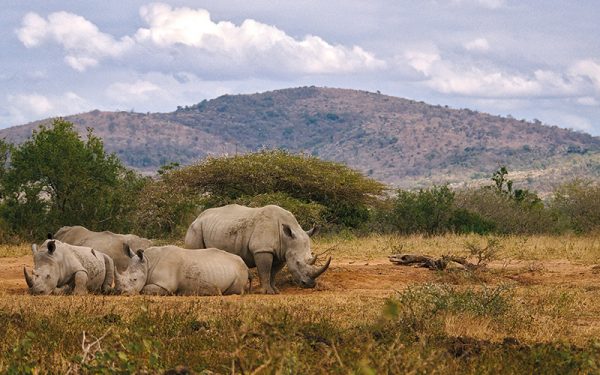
(107, 242)
(240, 230)
(94, 265)
(199, 272)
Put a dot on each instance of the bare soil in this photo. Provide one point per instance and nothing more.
(379, 277)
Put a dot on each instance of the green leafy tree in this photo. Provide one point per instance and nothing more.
(56, 178)
(306, 185)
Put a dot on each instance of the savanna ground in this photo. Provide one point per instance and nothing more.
(534, 309)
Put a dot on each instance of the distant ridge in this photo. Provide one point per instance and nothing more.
(398, 141)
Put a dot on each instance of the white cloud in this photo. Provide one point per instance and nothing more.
(587, 69)
(588, 101)
(571, 121)
(32, 106)
(190, 36)
(83, 43)
(38, 104)
(132, 92)
(422, 61)
(479, 44)
(480, 79)
(251, 43)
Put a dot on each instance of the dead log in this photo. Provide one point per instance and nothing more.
(430, 262)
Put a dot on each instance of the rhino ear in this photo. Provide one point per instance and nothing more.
(140, 253)
(51, 247)
(313, 231)
(127, 250)
(49, 236)
(288, 231)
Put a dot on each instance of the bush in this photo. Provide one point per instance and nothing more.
(434, 211)
(427, 211)
(504, 214)
(317, 191)
(579, 203)
(55, 178)
(307, 214)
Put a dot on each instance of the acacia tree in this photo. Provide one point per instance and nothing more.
(56, 178)
(316, 191)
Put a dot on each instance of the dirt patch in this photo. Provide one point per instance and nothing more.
(375, 277)
(12, 280)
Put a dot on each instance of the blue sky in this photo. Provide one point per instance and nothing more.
(528, 59)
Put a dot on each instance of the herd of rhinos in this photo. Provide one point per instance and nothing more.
(220, 246)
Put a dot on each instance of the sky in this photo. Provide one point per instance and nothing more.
(529, 59)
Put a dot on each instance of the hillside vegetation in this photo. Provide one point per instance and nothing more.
(397, 141)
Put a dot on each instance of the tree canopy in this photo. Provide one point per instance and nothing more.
(57, 178)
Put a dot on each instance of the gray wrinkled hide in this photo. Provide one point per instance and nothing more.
(173, 270)
(107, 242)
(70, 269)
(253, 233)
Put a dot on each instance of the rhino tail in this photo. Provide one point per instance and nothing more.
(109, 275)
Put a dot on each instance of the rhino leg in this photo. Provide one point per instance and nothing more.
(80, 280)
(155, 290)
(67, 289)
(264, 264)
(275, 268)
(109, 275)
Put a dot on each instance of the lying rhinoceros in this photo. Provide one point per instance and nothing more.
(62, 268)
(266, 238)
(168, 270)
(110, 243)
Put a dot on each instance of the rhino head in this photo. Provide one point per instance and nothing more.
(44, 277)
(299, 258)
(132, 280)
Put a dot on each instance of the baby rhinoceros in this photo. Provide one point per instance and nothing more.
(166, 270)
(60, 268)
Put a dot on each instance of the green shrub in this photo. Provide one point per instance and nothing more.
(306, 185)
(307, 214)
(579, 203)
(504, 214)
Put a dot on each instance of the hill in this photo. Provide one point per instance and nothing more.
(395, 140)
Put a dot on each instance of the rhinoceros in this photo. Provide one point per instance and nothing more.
(61, 268)
(109, 243)
(165, 270)
(266, 238)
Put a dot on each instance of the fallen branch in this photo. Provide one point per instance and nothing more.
(430, 262)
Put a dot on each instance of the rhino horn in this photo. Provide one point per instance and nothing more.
(49, 236)
(27, 278)
(34, 248)
(51, 247)
(312, 260)
(318, 271)
(314, 230)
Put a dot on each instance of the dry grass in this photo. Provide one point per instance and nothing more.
(581, 249)
(535, 309)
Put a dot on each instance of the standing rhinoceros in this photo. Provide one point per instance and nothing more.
(63, 268)
(266, 238)
(168, 270)
(107, 242)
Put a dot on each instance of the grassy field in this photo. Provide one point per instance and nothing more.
(534, 309)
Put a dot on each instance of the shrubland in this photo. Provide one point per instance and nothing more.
(58, 178)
